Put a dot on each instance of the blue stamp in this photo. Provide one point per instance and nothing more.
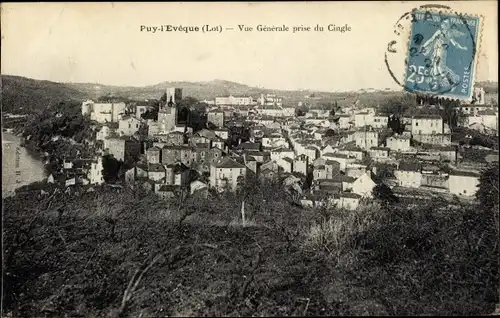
(442, 54)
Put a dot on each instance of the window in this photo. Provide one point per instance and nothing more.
(416, 124)
(465, 191)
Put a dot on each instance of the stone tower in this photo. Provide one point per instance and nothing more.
(167, 115)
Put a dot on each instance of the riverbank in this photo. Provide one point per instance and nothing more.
(19, 166)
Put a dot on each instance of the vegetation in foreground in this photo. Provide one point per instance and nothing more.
(112, 253)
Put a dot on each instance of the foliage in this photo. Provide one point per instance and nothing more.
(395, 124)
(488, 193)
(111, 168)
(77, 255)
(330, 133)
(398, 105)
(27, 96)
(301, 111)
(384, 194)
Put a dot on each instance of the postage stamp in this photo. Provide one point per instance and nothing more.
(442, 54)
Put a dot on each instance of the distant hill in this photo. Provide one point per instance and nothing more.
(24, 95)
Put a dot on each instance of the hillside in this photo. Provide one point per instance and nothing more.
(76, 255)
(23, 95)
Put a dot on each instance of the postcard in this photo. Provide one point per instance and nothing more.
(250, 158)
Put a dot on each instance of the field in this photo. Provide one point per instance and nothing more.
(109, 254)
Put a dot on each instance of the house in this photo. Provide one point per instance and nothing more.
(312, 152)
(363, 185)
(222, 133)
(233, 100)
(250, 146)
(128, 126)
(153, 155)
(343, 121)
(300, 164)
(352, 151)
(409, 175)
(251, 163)
(177, 174)
(483, 118)
(274, 141)
(327, 170)
(327, 149)
(363, 119)
(174, 138)
(349, 201)
(433, 139)
(95, 174)
(153, 128)
(426, 125)
(103, 112)
(355, 169)
(216, 118)
(366, 138)
(270, 165)
(379, 154)
(281, 153)
(156, 172)
(398, 143)
(286, 163)
(227, 174)
(342, 159)
(141, 109)
(168, 191)
(173, 154)
(435, 181)
(267, 173)
(203, 157)
(122, 148)
(260, 156)
(380, 121)
(271, 110)
(270, 99)
(104, 132)
(138, 172)
(463, 183)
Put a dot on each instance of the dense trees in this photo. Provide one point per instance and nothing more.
(111, 168)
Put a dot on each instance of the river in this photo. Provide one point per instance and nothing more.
(18, 167)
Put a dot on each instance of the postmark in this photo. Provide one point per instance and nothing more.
(423, 58)
(442, 54)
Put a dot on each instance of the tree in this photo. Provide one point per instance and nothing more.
(398, 105)
(301, 110)
(330, 133)
(395, 124)
(487, 194)
(383, 193)
(111, 168)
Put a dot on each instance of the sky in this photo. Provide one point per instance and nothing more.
(102, 43)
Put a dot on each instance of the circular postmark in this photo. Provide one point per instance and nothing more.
(433, 52)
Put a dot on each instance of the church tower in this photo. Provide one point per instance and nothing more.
(167, 115)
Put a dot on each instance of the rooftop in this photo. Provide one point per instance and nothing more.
(350, 195)
(464, 174)
(228, 163)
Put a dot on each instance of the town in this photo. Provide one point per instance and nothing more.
(326, 155)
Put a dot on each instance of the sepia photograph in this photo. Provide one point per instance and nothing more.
(242, 159)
